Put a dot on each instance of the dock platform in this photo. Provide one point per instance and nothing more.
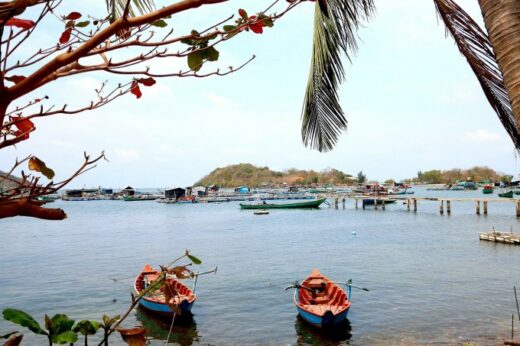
(501, 237)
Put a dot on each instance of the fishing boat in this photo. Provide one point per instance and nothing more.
(372, 201)
(155, 301)
(261, 212)
(139, 198)
(487, 189)
(307, 204)
(320, 301)
(516, 191)
(506, 194)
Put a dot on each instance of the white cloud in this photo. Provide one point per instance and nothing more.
(126, 155)
(480, 136)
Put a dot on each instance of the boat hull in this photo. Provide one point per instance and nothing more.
(371, 201)
(306, 204)
(321, 321)
(508, 194)
(157, 305)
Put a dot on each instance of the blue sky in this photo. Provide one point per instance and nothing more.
(411, 101)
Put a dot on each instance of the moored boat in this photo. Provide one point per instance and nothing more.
(261, 212)
(307, 204)
(372, 201)
(139, 198)
(155, 301)
(320, 301)
(487, 189)
(506, 194)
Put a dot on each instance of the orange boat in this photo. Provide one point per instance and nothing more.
(156, 301)
(320, 301)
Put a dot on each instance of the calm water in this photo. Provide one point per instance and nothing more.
(431, 280)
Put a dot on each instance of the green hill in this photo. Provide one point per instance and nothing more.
(253, 176)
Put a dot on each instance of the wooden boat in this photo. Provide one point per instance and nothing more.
(261, 212)
(321, 302)
(506, 194)
(155, 301)
(371, 201)
(139, 198)
(487, 189)
(516, 191)
(307, 204)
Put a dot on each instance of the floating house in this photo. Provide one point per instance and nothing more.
(127, 191)
(175, 193)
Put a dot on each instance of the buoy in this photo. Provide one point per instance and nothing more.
(354, 233)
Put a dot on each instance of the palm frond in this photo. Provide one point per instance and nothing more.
(117, 7)
(335, 25)
(474, 44)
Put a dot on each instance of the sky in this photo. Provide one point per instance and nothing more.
(411, 101)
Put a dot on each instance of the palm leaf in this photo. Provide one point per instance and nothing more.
(335, 25)
(474, 44)
(117, 7)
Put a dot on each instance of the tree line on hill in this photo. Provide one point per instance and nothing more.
(477, 174)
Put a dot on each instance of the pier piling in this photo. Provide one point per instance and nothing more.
(383, 204)
(485, 207)
(518, 209)
(343, 202)
(441, 210)
(414, 204)
(375, 202)
(448, 207)
(408, 202)
(336, 201)
(363, 203)
(356, 202)
(478, 207)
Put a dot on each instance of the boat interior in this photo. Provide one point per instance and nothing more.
(179, 290)
(319, 295)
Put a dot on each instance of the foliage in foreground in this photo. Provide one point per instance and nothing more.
(60, 329)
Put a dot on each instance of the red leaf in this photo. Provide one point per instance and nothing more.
(65, 36)
(15, 79)
(242, 13)
(73, 16)
(256, 27)
(24, 127)
(146, 81)
(134, 89)
(20, 23)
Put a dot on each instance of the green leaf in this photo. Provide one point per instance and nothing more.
(229, 27)
(195, 60)
(83, 24)
(211, 54)
(35, 164)
(61, 323)
(23, 319)
(194, 259)
(67, 337)
(86, 327)
(160, 23)
(188, 41)
(6, 336)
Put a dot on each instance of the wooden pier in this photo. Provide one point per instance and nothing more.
(445, 204)
(501, 237)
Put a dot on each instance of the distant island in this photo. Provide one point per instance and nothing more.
(246, 174)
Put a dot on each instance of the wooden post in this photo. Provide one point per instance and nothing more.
(408, 201)
(442, 207)
(414, 204)
(363, 203)
(383, 204)
(448, 206)
(517, 208)
(343, 202)
(478, 207)
(356, 203)
(485, 207)
(375, 202)
(336, 202)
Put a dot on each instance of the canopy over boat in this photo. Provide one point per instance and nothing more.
(320, 301)
(182, 296)
(306, 204)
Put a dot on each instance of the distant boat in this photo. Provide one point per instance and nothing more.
(506, 194)
(261, 212)
(307, 204)
(139, 198)
(155, 301)
(320, 301)
(487, 189)
(516, 191)
(372, 201)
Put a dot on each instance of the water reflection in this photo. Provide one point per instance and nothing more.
(184, 331)
(310, 335)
